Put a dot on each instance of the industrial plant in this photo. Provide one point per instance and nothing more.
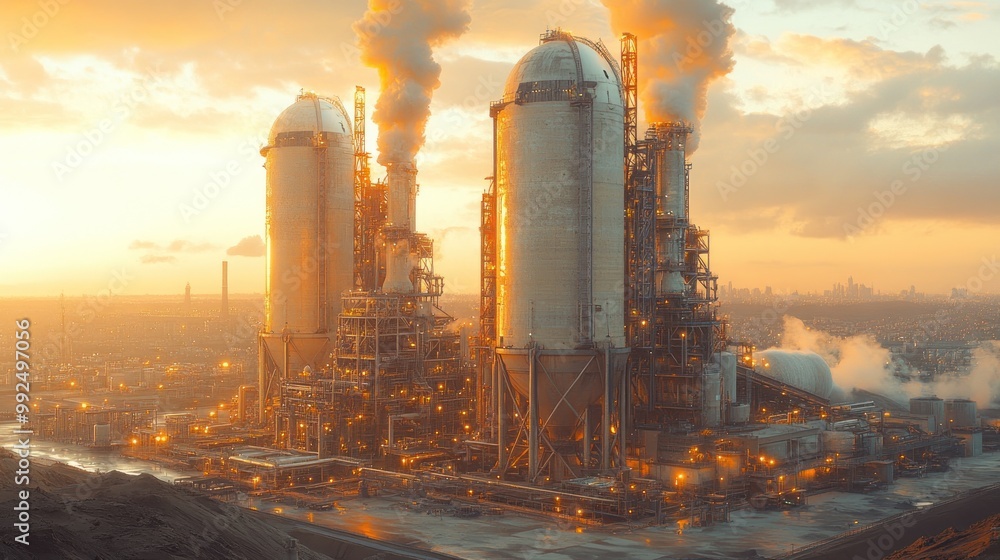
(601, 385)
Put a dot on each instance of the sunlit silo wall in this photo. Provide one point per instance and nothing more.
(310, 143)
(556, 244)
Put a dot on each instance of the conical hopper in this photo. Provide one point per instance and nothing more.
(569, 381)
(303, 350)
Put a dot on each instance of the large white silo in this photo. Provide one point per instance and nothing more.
(559, 141)
(309, 235)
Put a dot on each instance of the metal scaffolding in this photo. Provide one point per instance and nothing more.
(397, 382)
(673, 334)
(485, 382)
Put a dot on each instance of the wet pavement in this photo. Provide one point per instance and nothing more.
(768, 533)
(529, 538)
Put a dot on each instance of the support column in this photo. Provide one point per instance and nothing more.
(624, 416)
(606, 419)
(533, 418)
(319, 434)
(499, 386)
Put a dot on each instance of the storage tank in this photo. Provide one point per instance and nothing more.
(712, 405)
(960, 413)
(739, 413)
(803, 370)
(310, 215)
(102, 435)
(929, 406)
(559, 137)
(837, 442)
(727, 365)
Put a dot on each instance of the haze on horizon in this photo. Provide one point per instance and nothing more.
(133, 147)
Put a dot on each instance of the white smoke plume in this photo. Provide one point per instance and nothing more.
(983, 382)
(397, 37)
(859, 362)
(683, 47)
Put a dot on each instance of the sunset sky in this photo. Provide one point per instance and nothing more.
(117, 117)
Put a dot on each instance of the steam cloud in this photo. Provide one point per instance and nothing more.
(397, 38)
(683, 47)
(859, 362)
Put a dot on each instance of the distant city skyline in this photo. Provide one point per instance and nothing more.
(850, 289)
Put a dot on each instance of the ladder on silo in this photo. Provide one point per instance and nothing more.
(585, 276)
(320, 145)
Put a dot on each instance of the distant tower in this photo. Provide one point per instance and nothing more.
(224, 312)
(65, 353)
(187, 298)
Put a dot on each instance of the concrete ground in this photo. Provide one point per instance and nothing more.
(768, 533)
(530, 538)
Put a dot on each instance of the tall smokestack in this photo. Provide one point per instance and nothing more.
(397, 38)
(672, 201)
(685, 47)
(401, 224)
(224, 312)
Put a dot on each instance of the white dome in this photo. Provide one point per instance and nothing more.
(553, 60)
(804, 370)
(301, 117)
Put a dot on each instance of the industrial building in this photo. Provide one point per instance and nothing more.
(356, 357)
(601, 384)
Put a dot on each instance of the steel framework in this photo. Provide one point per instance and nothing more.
(397, 381)
(485, 382)
(673, 336)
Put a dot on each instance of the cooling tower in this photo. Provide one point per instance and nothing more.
(804, 370)
(559, 137)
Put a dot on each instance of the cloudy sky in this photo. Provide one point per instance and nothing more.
(853, 137)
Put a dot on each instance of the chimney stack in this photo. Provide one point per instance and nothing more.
(224, 313)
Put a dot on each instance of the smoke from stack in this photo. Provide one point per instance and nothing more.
(683, 48)
(397, 37)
